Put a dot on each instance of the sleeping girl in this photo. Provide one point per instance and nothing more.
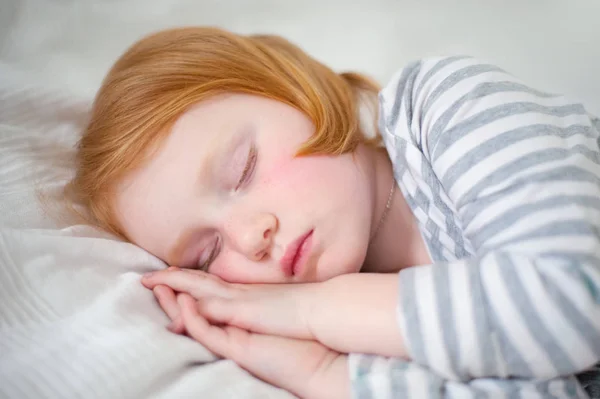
(454, 253)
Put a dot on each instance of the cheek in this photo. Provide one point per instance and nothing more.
(231, 266)
(227, 269)
(228, 275)
(277, 166)
(301, 175)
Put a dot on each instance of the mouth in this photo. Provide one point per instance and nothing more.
(296, 254)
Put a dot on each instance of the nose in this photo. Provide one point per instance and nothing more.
(254, 234)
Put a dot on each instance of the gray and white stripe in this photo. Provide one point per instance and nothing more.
(504, 181)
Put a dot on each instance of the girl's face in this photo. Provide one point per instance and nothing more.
(224, 193)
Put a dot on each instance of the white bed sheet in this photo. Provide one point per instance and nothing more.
(74, 320)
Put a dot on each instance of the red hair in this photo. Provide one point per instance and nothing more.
(162, 75)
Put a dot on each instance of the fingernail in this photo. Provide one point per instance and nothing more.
(171, 326)
(148, 275)
(172, 268)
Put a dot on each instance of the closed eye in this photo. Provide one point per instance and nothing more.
(248, 168)
(205, 264)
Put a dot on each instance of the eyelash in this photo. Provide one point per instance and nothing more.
(246, 174)
(248, 169)
(213, 254)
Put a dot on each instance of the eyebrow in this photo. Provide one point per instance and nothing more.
(205, 174)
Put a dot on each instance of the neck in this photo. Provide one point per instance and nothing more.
(398, 243)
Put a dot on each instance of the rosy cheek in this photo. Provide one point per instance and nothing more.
(272, 172)
(287, 173)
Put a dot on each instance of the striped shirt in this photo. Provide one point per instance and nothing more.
(504, 182)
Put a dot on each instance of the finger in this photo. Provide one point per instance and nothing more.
(167, 300)
(215, 339)
(217, 279)
(177, 327)
(196, 284)
(193, 271)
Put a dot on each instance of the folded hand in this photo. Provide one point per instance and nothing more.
(304, 367)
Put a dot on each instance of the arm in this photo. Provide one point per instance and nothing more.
(378, 377)
(520, 171)
(317, 372)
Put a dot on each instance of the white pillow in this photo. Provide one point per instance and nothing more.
(74, 319)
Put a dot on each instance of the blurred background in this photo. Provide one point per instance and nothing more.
(553, 45)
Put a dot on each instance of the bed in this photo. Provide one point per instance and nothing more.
(74, 320)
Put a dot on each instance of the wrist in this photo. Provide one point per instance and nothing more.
(359, 312)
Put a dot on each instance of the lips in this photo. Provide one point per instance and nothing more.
(295, 253)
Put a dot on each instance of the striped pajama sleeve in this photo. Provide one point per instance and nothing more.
(520, 171)
(375, 377)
